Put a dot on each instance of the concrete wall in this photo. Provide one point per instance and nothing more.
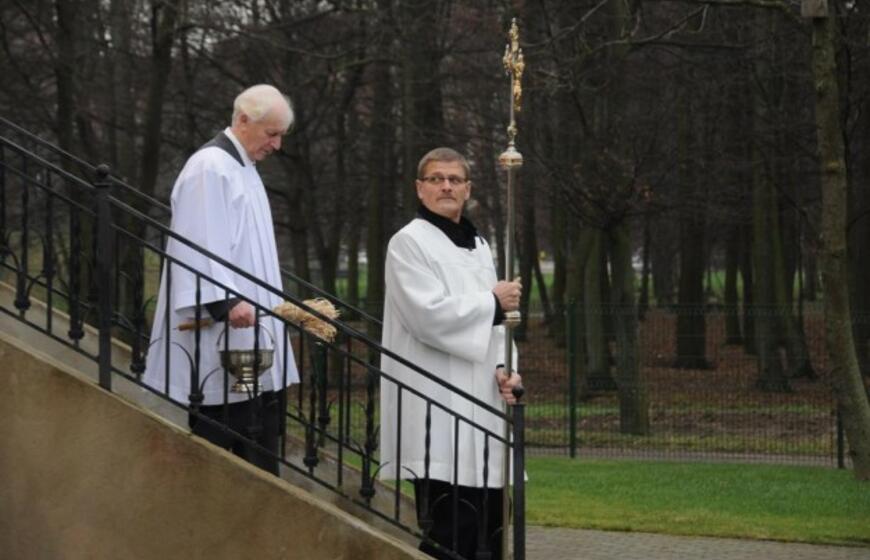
(86, 474)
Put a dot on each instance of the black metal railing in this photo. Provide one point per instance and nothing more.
(87, 245)
(154, 207)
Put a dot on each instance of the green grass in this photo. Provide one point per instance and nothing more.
(804, 504)
(789, 503)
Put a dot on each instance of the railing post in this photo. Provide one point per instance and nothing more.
(322, 372)
(367, 488)
(4, 249)
(48, 264)
(572, 380)
(519, 427)
(318, 359)
(137, 362)
(22, 297)
(105, 278)
(76, 331)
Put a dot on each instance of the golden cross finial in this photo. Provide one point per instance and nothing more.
(514, 64)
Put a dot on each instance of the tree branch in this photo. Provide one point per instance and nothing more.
(778, 5)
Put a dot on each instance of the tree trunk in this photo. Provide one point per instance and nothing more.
(122, 135)
(645, 269)
(559, 237)
(380, 178)
(541, 283)
(189, 84)
(633, 403)
(662, 259)
(560, 258)
(164, 14)
(797, 350)
(67, 36)
(164, 17)
(849, 387)
(575, 324)
(732, 304)
(797, 353)
(67, 26)
(766, 245)
(534, 182)
(595, 311)
(422, 112)
(691, 320)
(859, 249)
(790, 333)
(811, 276)
(748, 279)
(353, 266)
(769, 319)
(528, 253)
(298, 220)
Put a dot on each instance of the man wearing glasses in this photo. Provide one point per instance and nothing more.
(443, 309)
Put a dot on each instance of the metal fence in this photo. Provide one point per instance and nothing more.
(716, 412)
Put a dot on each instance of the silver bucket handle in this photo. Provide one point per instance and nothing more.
(262, 327)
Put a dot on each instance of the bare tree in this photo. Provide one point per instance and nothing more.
(851, 393)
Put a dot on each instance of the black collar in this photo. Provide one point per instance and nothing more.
(223, 142)
(462, 234)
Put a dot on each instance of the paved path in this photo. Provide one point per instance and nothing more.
(544, 543)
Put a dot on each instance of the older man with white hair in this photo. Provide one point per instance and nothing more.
(219, 203)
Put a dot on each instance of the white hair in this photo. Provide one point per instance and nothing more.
(257, 102)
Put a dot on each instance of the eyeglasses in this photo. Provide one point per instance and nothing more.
(454, 180)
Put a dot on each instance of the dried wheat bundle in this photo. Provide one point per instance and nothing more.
(314, 325)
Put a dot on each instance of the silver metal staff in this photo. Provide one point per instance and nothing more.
(511, 160)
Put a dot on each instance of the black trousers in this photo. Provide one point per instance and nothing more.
(470, 507)
(260, 419)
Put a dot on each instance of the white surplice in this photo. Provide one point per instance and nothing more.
(438, 314)
(221, 206)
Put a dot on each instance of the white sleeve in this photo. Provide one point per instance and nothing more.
(203, 212)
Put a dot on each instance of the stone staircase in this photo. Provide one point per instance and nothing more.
(76, 361)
